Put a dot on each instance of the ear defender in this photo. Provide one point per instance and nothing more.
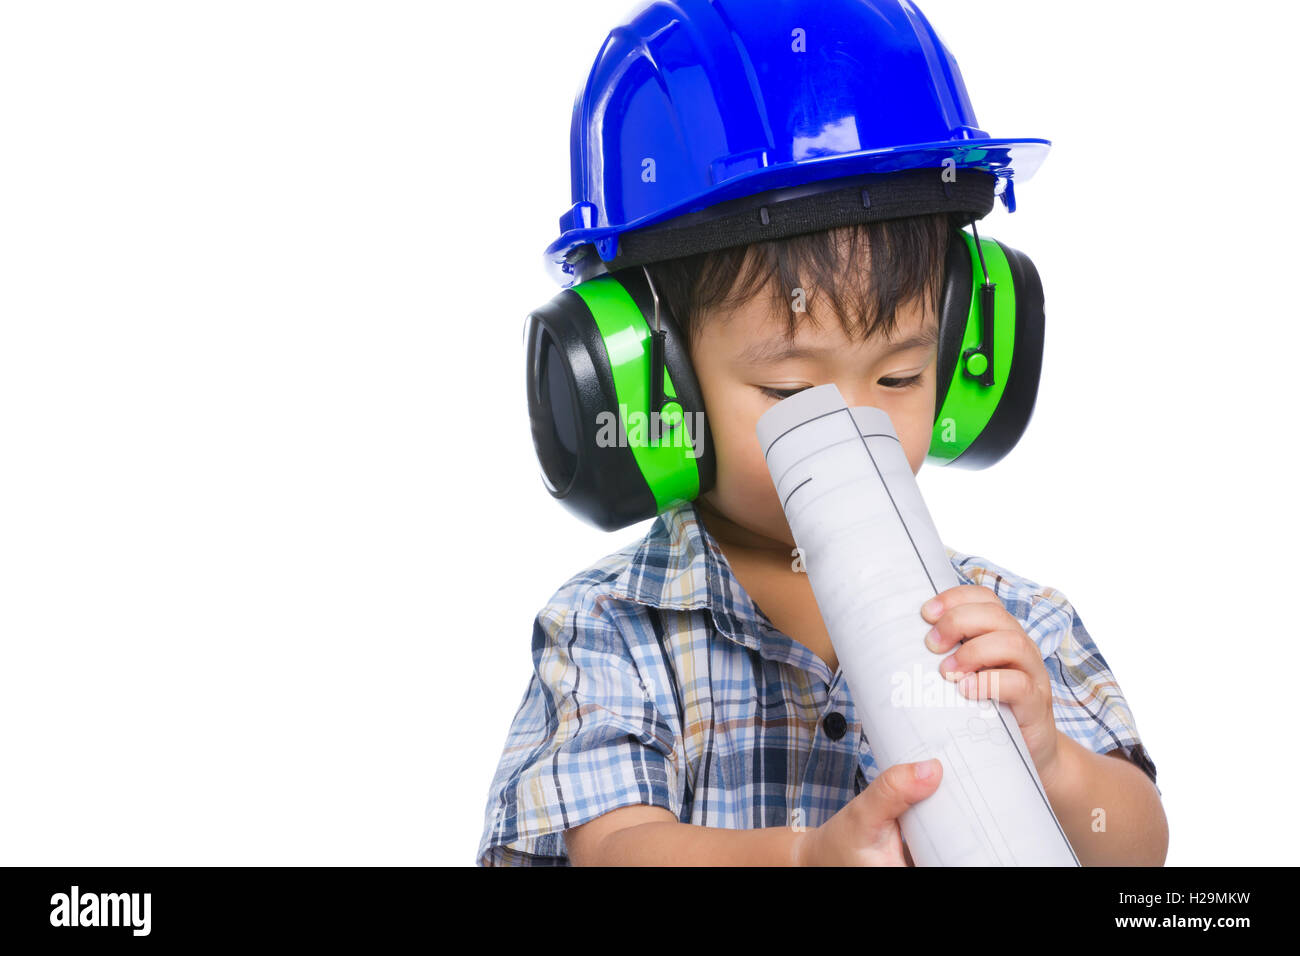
(618, 416)
(990, 352)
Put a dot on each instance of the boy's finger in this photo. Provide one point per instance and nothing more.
(895, 790)
(1001, 648)
(934, 608)
(967, 620)
(1000, 685)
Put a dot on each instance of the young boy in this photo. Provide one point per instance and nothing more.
(687, 705)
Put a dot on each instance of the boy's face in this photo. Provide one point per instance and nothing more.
(739, 351)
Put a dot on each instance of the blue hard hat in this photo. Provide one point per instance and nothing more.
(698, 102)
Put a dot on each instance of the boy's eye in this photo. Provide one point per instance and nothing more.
(899, 383)
(779, 393)
(908, 382)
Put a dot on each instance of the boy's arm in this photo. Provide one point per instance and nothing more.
(652, 836)
(1108, 807)
(1132, 832)
(864, 832)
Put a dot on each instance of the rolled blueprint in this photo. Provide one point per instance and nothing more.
(873, 557)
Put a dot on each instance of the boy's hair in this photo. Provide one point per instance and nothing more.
(901, 260)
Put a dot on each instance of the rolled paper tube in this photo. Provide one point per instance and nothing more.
(873, 557)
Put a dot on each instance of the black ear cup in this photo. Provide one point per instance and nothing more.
(1015, 409)
(554, 409)
(572, 395)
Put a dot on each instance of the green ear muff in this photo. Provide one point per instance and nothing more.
(607, 452)
(593, 358)
(990, 352)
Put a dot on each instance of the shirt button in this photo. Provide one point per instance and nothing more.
(835, 725)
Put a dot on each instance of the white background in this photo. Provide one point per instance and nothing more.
(272, 533)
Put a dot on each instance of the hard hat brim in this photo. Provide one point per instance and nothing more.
(1008, 159)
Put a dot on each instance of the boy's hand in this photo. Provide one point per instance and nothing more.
(988, 649)
(865, 831)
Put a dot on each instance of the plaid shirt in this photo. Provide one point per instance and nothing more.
(658, 681)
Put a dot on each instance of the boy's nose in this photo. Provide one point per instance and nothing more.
(856, 394)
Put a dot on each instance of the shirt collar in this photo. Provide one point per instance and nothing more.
(679, 565)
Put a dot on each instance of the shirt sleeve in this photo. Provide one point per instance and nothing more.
(1088, 704)
(586, 739)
